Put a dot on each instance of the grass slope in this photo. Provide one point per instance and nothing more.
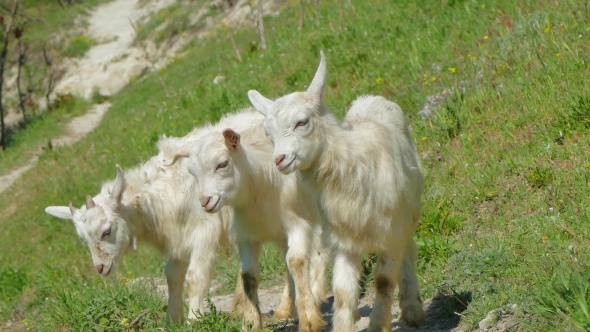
(506, 155)
(42, 19)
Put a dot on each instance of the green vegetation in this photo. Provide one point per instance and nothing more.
(168, 23)
(567, 297)
(38, 20)
(78, 46)
(506, 207)
(23, 143)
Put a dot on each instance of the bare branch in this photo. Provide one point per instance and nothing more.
(50, 76)
(260, 25)
(341, 18)
(22, 59)
(20, 14)
(3, 54)
(233, 42)
(316, 4)
(60, 4)
(147, 56)
(141, 314)
(300, 15)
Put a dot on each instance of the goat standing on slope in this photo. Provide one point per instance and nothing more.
(155, 204)
(233, 169)
(369, 179)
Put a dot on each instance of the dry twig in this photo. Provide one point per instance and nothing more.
(260, 25)
(50, 76)
(301, 15)
(233, 43)
(22, 58)
(136, 320)
(3, 53)
(153, 65)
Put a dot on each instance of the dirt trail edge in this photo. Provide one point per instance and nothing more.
(443, 312)
(76, 129)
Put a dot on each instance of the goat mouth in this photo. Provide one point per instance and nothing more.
(212, 208)
(108, 270)
(284, 167)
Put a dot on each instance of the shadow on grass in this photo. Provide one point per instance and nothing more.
(443, 313)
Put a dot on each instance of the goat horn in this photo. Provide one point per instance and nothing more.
(89, 203)
(72, 209)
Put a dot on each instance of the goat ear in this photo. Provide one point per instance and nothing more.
(316, 88)
(183, 152)
(89, 203)
(119, 185)
(260, 102)
(232, 139)
(61, 212)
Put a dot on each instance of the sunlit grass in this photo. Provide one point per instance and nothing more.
(505, 154)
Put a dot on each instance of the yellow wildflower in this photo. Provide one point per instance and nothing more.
(433, 78)
(486, 37)
(547, 29)
(558, 55)
(452, 69)
(424, 139)
(468, 56)
(379, 80)
(124, 322)
(425, 75)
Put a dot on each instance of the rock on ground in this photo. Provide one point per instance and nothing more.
(440, 311)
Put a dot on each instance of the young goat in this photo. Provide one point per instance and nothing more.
(233, 169)
(155, 204)
(369, 180)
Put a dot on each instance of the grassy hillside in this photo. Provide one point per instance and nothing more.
(46, 24)
(506, 155)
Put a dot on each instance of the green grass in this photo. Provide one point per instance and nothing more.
(566, 296)
(168, 23)
(44, 18)
(47, 17)
(24, 142)
(78, 46)
(506, 161)
(108, 305)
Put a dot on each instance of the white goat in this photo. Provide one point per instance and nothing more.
(155, 204)
(370, 182)
(234, 169)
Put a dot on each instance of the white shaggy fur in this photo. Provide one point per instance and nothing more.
(156, 204)
(367, 173)
(234, 168)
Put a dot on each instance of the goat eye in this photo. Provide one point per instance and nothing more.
(222, 165)
(106, 233)
(302, 123)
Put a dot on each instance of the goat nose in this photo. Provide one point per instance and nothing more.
(99, 267)
(205, 201)
(279, 159)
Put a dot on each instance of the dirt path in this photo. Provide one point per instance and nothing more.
(116, 60)
(75, 130)
(269, 299)
(110, 65)
(442, 312)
